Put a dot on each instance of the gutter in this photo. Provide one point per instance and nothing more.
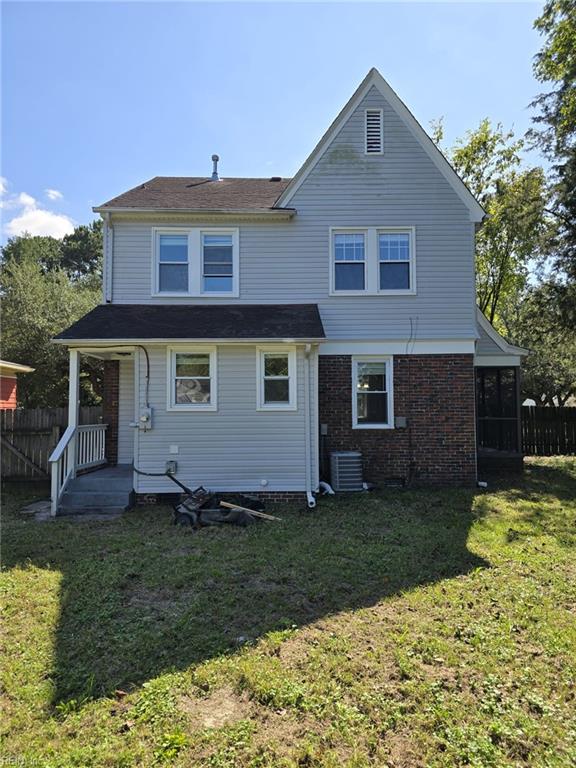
(100, 342)
(269, 213)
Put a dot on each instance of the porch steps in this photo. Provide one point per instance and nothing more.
(106, 492)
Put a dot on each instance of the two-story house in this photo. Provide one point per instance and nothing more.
(251, 327)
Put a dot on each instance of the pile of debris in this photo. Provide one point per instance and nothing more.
(199, 508)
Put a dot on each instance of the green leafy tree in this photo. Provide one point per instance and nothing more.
(549, 372)
(46, 285)
(517, 230)
(555, 128)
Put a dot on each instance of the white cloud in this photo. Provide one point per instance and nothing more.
(31, 218)
(54, 194)
(37, 221)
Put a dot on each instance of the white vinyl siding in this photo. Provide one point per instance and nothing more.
(234, 448)
(289, 262)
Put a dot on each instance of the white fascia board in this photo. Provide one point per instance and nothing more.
(399, 347)
(374, 78)
(497, 361)
(273, 214)
(486, 325)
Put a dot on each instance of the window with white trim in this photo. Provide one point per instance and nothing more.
(276, 379)
(191, 379)
(195, 262)
(374, 260)
(173, 263)
(394, 256)
(372, 401)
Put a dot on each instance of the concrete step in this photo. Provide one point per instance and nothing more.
(109, 498)
(95, 512)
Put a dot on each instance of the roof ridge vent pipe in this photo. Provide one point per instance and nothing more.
(215, 176)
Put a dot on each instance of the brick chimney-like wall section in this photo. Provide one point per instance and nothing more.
(110, 394)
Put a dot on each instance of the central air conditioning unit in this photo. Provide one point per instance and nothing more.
(346, 471)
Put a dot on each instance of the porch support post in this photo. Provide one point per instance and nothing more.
(73, 402)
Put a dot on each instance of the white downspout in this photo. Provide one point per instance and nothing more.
(307, 431)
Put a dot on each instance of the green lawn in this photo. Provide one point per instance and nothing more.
(400, 629)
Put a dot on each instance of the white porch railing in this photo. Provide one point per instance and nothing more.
(79, 448)
(91, 445)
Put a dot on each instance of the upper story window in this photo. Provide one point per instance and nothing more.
(375, 260)
(349, 261)
(173, 263)
(195, 262)
(217, 263)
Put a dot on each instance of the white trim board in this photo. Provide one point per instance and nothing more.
(497, 361)
(499, 340)
(375, 79)
(399, 347)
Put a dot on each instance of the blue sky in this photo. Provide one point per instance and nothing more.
(97, 97)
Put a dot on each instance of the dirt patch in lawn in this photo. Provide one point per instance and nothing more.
(221, 708)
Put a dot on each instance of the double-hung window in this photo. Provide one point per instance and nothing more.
(191, 379)
(372, 261)
(173, 266)
(372, 402)
(349, 261)
(395, 261)
(276, 379)
(217, 263)
(195, 262)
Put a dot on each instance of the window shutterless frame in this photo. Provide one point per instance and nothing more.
(387, 361)
(172, 378)
(195, 262)
(372, 261)
(261, 378)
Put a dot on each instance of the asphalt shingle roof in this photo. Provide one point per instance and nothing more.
(138, 322)
(193, 193)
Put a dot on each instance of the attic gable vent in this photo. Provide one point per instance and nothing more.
(373, 131)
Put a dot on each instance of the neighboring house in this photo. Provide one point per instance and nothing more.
(9, 383)
(250, 327)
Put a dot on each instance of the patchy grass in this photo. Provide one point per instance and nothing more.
(396, 629)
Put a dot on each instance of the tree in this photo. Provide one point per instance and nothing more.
(46, 285)
(549, 372)
(78, 254)
(555, 124)
(516, 230)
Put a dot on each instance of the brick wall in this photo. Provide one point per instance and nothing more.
(110, 392)
(436, 395)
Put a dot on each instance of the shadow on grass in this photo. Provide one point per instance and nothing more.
(140, 597)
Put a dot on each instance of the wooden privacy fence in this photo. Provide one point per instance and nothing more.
(548, 431)
(28, 437)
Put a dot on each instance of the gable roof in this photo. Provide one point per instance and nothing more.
(186, 193)
(162, 322)
(375, 79)
(500, 341)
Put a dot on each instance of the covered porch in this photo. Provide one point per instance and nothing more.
(92, 465)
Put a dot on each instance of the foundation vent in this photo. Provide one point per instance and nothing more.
(346, 471)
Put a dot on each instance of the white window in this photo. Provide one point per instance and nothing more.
(349, 261)
(195, 262)
(375, 260)
(373, 132)
(191, 379)
(372, 401)
(173, 271)
(276, 378)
